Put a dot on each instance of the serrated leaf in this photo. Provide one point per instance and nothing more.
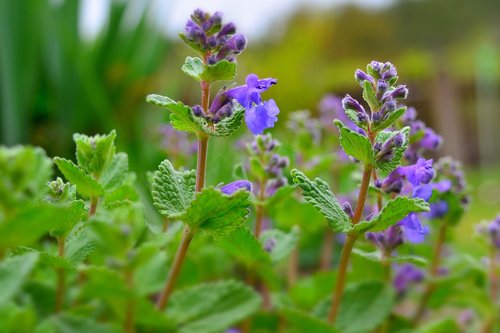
(85, 184)
(371, 300)
(243, 245)
(181, 117)
(116, 173)
(318, 194)
(353, 115)
(228, 125)
(13, 271)
(212, 307)
(355, 144)
(387, 166)
(221, 71)
(193, 45)
(78, 245)
(69, 323)
(193, 67)
(390, 119)
(376, 256)
(173, 190)
(393, 212)
(301, 322)
(94, 153)
(74, 214)
(369, 95)
(215, 212)
(282, 243)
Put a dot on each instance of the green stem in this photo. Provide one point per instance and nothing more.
(493, 276)
(93, 205)
(61, 276)
(436, 259)
(348, 245)
(128, 325)
(188, 233)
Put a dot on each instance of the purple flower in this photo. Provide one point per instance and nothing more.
(262, 116)
(419, 173)
(235, 186)
(413, 229)
(388, 239)
(430, 140)
(438, 210)
(405, 275)
(492, 230)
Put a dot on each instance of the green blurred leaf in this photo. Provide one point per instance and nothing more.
(212, 307)
(116, 173)
(282, 243)
(173, 190)
(95, 153)
(301, 322)
(318, 194)
(281, 194)
(13, 271)
(68, 323)
(394, 211)
(376, 256)
(447, 325)
(390, 118)
(215, 212)
(193, 67)
(85, 184)
(74, 213)
(355, 144)
(243, 245)
(221, 71)
(228, 125)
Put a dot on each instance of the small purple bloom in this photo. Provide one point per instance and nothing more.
(423, 192)
(361, 76)
(400, 92)
(431, 140)
(438, 209)
(413, 229)
(419, 173)
(262, 116)
(405, 275)
(235, 186)
(350, 103)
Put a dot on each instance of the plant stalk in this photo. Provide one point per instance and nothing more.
(61, 276)
(93, 205)
(348, 245)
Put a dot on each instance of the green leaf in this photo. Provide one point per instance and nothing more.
(353, 115)
(447, 325)
(228, 125)
(387, 166)
(221, 71)
(173, 190)
(95, 153)
(394, 211)
(212, 307)
(68, 323)
(355, 144)
(215, 212)
(85, 184)
(301, 322)
(376, 256)
(390, 119)
(13, 271)
(318, 194)
(281, 194)
(243, 245)
(370, 300)
(283, 243)
(151, 267)
(78, 245)
(74, 214)
(116, 173)
(181, 118)
(193, 67)
(369, 95)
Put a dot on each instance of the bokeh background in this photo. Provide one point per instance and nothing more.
(86, 66)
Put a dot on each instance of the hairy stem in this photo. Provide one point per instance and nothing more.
(348, 245)
(61, 276)
(433, 271)
(93, 205)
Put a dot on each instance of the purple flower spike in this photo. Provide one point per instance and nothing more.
(235, 186)
(350, 103)
(250, 93)
(361, 76)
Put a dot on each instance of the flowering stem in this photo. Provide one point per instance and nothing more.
(429, 289)
(326, 251)
(61, 275)
(188, 233)
(348, 245)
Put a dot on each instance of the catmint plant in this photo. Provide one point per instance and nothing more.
(181, 195)
(379, 150)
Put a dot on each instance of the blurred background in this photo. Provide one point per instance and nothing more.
(86, 66)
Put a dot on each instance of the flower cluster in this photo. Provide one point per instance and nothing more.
(266, 166)
(492, 230)
(406, 275)
(422, 138)
(215, 41)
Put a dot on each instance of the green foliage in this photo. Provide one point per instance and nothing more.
(228, 125)
(95, 153)
(394, 211)
(72, 215)
(13, 272)
(440, 325)
(217, 213)
(173, 190)
(387, 166)
(282, 243)
(85, 184)
(212, 307)
(221, 71)
(318, 194)
(243, 245)
(369, 94)
(302, 322)
(371, 300)
(376, 256)
(355, 144)
(389, 119)
(68, 323)
(116, 173)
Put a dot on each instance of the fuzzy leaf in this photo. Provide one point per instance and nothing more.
(243, 245)
(215, 212)
(13, 272)
(318, 194)
(85, 184)
(73, 324)
(283, 243)
(353, 115)
(355, 144)
(395, 210)
(390, 119)
(303, 322)
(181, 118)
(228, 125)
(72, 215)
(387, 166)
(376, 256)
(221, 71)
(78, 246)
(116, 173)
(212, 307)
(369, 95)
(173, 190)
(193, 67)
(95, 153)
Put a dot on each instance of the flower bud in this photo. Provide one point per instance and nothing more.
(346, 207)
(235, 186)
